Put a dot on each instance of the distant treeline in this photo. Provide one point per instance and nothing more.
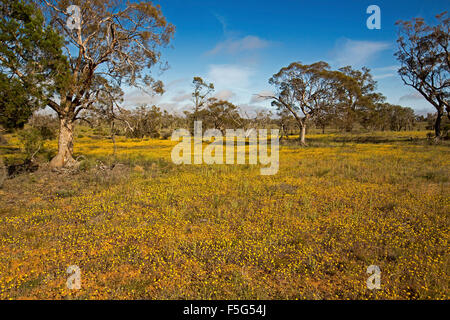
(153, 122)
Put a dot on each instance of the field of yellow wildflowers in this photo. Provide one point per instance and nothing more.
(149, 229)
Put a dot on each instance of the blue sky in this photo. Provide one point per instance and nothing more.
(239, 45)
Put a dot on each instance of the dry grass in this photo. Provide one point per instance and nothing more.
(154, 230)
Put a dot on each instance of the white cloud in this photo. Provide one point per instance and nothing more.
(385, 72)
(226, 76)
(349, 52)
(182, 97)
(412, 97)
(138, 97)
(424, 111)
(383, 76)
(224, 95)
(176, 83)
(233, 46)
(386, 69)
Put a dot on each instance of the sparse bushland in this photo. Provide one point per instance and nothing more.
(139, 226)
(146, 228)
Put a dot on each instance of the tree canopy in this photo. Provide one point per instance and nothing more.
(425, 62)
(32, 64)
(116, 44)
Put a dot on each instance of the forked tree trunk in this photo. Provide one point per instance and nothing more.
(64, 158)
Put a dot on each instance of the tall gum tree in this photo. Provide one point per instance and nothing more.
(116, 45)
(425, 63)
(303, 90)
(356, 97)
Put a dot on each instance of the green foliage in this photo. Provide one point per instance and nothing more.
(425, 64)
(220, 114)
(199, 96)
(14, 103)
(144, 122)
(31, 141)
(31, 62)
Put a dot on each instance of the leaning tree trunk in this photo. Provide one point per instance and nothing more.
(64, 158)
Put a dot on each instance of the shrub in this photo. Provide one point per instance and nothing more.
(32, 141)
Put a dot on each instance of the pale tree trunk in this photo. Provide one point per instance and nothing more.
(64, 158)
(302, 135)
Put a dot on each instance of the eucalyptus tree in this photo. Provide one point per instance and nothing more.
(221, 115)
(304, 90)
(425, 62)
(110, 45)
(356, 96)
(200, 95)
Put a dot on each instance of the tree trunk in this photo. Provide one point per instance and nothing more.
(113, 138)
(302, 135)
(437, 125)
(3, 173)
(64, 157)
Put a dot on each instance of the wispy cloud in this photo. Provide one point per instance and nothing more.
(355, 53)
(385, 72)
(228, 76)
(223, 22)
(182, 97)
(393, 68)
(224, 95)
(424, 111)
(136, 97)
(176, 83)
(233, 46)
(411, 97)
(383, 76)
(234, 43)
